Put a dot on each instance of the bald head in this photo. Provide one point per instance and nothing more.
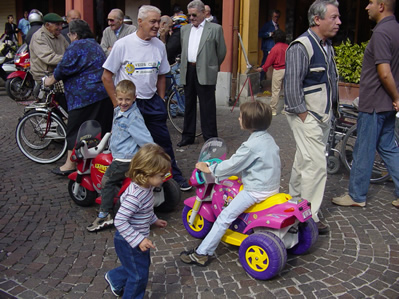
(166, 20)
(73, 14)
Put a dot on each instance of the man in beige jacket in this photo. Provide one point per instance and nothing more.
(47, 46)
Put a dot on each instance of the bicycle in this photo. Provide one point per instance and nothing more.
(175, 102)
(343, 130)
(41, 132)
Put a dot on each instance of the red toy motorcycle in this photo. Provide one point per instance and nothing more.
(20, 84)
(92, 160)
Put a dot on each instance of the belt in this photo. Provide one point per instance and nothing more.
(192, 63)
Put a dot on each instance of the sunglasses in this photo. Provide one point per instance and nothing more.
(111, 20)
(194, 15)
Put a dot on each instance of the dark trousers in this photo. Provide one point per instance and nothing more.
(154, 113)
(206, 96)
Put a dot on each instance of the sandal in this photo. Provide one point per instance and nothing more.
(395, 203)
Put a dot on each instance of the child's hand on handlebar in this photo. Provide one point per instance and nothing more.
(202, 166)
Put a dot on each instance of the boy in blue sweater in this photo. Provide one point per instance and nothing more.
(129, 133)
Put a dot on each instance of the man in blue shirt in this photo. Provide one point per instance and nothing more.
(24, 25)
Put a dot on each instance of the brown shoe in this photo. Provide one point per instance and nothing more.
(347, 201)
(395, 203)
(322, 227)
(191, 257)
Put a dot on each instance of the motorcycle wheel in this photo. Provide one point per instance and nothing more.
(200, 228)
(84, 198)
(262, 255)
(172, 195)
(307, 236)
(17, 91)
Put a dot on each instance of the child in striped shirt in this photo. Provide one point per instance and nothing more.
(147, 170)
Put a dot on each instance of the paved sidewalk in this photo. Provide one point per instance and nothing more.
(46, 252)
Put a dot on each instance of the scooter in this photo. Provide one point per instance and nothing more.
(265, 232)
(92, 160)
(20, 84)
(7, 50)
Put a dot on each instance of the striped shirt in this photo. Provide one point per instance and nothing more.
(136, 214)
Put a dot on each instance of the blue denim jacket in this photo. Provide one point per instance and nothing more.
(129, 133)
(258, 161)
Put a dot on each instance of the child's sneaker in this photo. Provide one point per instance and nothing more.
(114, 291)
(191, 257)
(100, 223)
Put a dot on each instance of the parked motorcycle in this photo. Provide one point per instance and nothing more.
(7, 66)
(20, 84)
(92, 160)
(264, 232)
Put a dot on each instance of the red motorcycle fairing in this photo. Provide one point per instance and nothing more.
(20, 74)
(98, 167)
(86, 181)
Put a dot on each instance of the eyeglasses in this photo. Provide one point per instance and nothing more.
(194, 15)
(111, 20)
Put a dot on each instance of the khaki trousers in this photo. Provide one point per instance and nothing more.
(277, 83)
(309, 171)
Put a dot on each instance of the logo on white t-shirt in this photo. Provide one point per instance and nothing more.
(142, 68)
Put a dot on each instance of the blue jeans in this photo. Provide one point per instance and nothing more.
(237, 206)
(375, 131)
(132, 276)
(180, 100)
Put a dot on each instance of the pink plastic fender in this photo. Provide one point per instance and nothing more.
(15, 74)
(205, 210)
(86, 181)
(275, 221)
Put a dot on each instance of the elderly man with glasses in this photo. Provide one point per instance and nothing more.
(116, 30)
(47, 46)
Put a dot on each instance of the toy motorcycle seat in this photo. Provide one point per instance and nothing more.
(273, 200)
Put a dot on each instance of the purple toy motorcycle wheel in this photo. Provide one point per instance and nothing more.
(200, 228)
(307, 236)
(262, 255)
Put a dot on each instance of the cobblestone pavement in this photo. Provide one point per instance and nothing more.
(46, 252)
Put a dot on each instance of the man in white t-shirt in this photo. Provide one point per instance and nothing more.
(141, 57)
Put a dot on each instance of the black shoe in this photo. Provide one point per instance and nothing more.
(184, 186)
(58, 171)
(323, 228)
(185, 142)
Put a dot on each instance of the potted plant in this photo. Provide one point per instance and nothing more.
(349, 59)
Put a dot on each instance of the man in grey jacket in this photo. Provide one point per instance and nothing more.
(203, 51)
(311, 96)
(116, 30)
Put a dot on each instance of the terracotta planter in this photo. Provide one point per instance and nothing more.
(348, 92)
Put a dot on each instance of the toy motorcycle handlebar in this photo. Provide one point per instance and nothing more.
(199, 175)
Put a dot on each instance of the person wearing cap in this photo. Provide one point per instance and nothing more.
(116, 30)
(47, 46)
(73, 14)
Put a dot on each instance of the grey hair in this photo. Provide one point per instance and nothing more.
(319, 9)
(145, 9)
(196, 4)
(119, 13)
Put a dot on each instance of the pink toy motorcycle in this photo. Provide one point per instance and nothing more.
(264, 232)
